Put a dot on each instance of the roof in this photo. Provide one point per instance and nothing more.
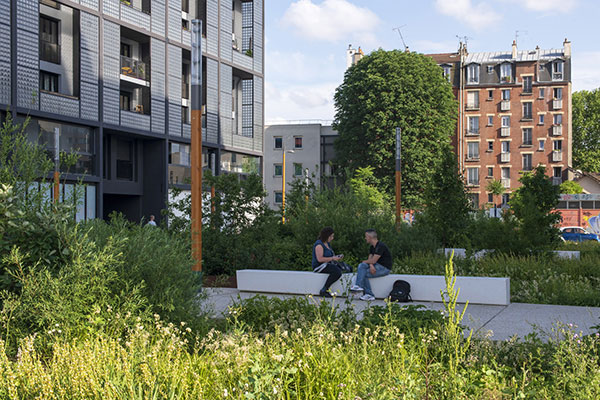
(593, 175)
(523, 55)
(444, 58)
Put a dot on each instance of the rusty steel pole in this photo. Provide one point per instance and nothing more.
(398, 177)
(56, 191)
(197, 145)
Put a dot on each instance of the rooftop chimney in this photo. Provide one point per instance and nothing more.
(514, 49)
(567, 48)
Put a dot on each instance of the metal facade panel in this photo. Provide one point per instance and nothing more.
(174, 77)
(89, 33)
(135, 120)
(157, 52)
(93, 4)
(5, 41)
(89, 101)
(59, 105)
(226, 16)
(226, 79)
(158, 116)
(174, 89)
(212, 100)
(158, 17)
(175, 119)
(28, 87)
(158, 86)
(111, 7)
(212, 46)
(186, 38)
(258, 113)
(242, 60)
(89, 65)
(111, 106)
(28, 12)
(28, 53)
(212, 12)
(226, 125)
(5, 12)
(112, 40)
(135, 17)
(5, 83)
(242, 142)
(258, 15)
(258, 49)
(226, 48)
(187, 131)
(212, 73)
(174, 28)
(258, 89)
(212, 128)
(111, 75)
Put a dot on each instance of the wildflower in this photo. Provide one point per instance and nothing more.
(225, 393)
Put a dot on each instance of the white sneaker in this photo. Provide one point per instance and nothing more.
(367, 297)
(356, 288)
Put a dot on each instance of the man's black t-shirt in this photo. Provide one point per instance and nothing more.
(385, 257)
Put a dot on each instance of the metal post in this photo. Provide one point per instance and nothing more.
(283, 189)
(197, 144)
(398, 177)
(56, 164)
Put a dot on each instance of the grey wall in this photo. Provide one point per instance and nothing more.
(5, 61)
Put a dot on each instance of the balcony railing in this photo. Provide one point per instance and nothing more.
(134, 68)
(506, 183)
(50, 52)
(556, 156)
(556, 130)
(557, 104)
(505, 131)
(505, 157)
(557, 76)
(505, 105)
(556, 180)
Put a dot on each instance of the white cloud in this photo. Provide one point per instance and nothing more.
(547, 5)
(299, 102)
(476, 16)
(585, 70)
(332, 21)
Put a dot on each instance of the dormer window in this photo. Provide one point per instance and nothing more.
(446, 71)
(557, 70)
(473, 74)
(506, 73)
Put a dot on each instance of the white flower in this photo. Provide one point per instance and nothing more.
(225, 393)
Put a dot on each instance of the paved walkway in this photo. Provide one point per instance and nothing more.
(498, 322)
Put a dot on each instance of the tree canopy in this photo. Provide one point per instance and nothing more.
(586, 130)
(389, 89)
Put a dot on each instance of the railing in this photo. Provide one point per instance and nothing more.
(505, 131)
(557, 104)
(506, 183)
(134, 68)
(557, 76)
(50, 52)
(505, 105)
(556, 156)
(556, 181)
(556, 130)
(505, 157)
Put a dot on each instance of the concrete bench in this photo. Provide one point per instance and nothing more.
(477, 290)
(570, 255)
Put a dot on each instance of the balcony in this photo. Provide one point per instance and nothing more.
(556, 181)
(556, 156)
(49, 52)
(506, 183)
(557, 104)
(556, 130)
(473, 132)
(505, 131)
(506, 79)
(134, 69)
(505, 157)
(505, 105)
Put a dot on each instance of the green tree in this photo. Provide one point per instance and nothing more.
(533, 205)
(570, 187)
(586, 130)
(496, 188)
(366, 187)
(390, 89)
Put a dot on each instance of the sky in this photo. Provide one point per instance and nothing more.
(306, 40)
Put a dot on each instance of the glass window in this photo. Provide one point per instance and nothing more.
(473, 74)
(557, 145)
(490, 69)
(506, 72)
(542, 93)
(125, 159)
(527, 84)
(49, 44)
(474, 198)
(542, 116)
(490, 146)
(588, 205)
(473, 176)
(278, 197)
(527, 110)
(125, 101)
(473, 150)
(278, 143)
(505, 198)
(558, 93)
(557, 70)
(542, 145)
(505, 173)
(527, 137)
(505, 94)
(557, 119)
(474, 125)
(180, 154)
(446, 71)
(472, 99)
(298, 142)
(185, 115)
(490, 94)
(297, 169)
(506, 147)
(239, 163)
(278, 169)
(48, 82)
(557, 172)
(506, 121)
(490, 120)
(490, 198)
(490, 172)
(527, 165)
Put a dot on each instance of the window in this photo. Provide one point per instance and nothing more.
(48, 82)
(542, 93)
(527, 84)
(557, 119)
(505, 94)
(278, 168)
(490, 198)
(473, 176)
(297, 169)
(473, 100)
(490, 95)
(125, 50)
(490, 120)
(505, 121)
(185, 115)
(557, 145)
(490, 146)
(179, 154)
(527, 110)
(473, 125)
(558, 93)
(527, 137)
(49, 46)
(298, 142)
(125, 101)
(473, 150)
(278, 197)
(506, 173)
(506, 72)
(278, 142)
(490, 69)
(557, 172)
(505, 198)
(557, 70)
(542, 116)
(506, 147)
(490, 172)
(473, 74)
(527, 166)
(474, 199)
(125, 160)
(248, 107)
(542, 145)
(446, 71)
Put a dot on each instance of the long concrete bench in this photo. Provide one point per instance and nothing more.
(477, 290)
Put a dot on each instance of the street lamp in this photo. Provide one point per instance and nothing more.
(283, 185)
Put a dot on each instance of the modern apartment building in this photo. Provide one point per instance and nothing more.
(514, 114)
(308, 147)
(111, 78)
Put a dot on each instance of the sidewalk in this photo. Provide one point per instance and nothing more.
(499, 322)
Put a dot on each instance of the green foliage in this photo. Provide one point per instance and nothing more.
(586, 130)
(570, 187)
(390, 89)
(533, 206)
(367, 188)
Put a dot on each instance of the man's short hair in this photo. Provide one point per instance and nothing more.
(372, 233)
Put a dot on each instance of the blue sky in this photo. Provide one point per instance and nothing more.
(306, 40)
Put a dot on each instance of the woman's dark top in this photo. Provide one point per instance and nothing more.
(327, 252)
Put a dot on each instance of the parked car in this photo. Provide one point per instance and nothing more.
(577, 234)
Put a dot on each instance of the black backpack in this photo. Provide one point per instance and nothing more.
(400, 292)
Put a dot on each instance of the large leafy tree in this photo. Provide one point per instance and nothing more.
(390, 89)
(586, 130)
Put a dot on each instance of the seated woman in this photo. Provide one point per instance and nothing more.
(322, 257)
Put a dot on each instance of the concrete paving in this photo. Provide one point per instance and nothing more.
(496, 322)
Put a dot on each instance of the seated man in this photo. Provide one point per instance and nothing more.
(378, 264)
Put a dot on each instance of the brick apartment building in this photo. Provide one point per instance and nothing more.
(514, 114)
